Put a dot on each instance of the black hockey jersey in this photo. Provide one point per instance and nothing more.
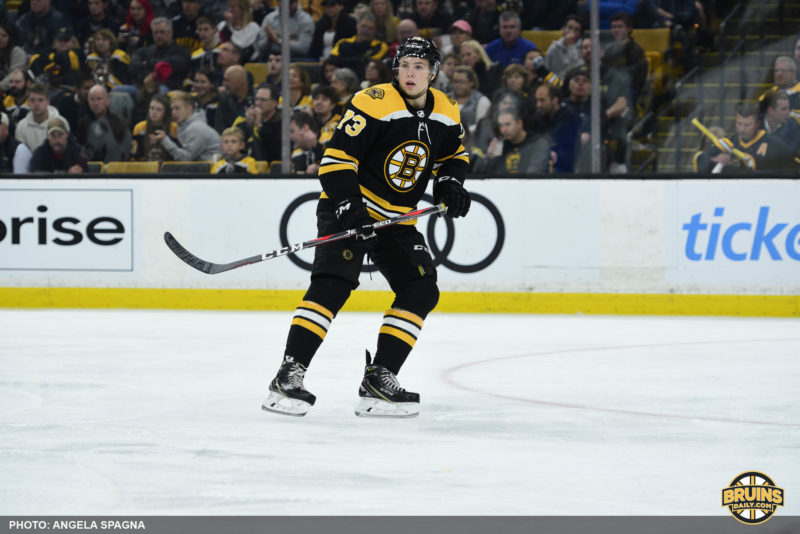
(387, 151)
(765, 152)
(792, 92)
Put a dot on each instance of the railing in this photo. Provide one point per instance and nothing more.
(781, 14)
(673, 106)
(678, 126)
(723, 27)
(725, 59)
(629, 140)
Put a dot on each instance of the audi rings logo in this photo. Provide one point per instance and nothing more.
(441, 253)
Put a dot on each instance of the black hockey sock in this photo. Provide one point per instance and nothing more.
(397, 337)
(313, 317)
(310, 325)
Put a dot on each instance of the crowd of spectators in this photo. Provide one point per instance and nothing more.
(131, 80)
(766, 133)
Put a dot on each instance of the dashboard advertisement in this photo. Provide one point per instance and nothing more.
(600, 236)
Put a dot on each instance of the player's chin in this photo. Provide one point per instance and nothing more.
(419, 92)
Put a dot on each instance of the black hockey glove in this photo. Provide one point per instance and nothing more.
(352, 213)
(452, 193)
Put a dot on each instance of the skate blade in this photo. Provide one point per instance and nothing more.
(277, 403)
(372, 407)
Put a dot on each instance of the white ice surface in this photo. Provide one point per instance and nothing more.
(158, 412)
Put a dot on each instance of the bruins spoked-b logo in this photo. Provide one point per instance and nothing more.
(752, 497)
(405, 164)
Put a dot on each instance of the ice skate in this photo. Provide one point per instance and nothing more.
(287, 395)
(381, 395)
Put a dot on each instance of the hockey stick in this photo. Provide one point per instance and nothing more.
(214, 268)
(720, 144)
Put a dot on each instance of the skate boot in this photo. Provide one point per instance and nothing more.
(381, 395)
(287, 395)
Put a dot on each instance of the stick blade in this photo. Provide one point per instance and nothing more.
(188, 258)
(203, 265)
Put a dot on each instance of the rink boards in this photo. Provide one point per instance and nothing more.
(706, 247)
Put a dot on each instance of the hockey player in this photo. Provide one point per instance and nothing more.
(392, 140)
(761, 151)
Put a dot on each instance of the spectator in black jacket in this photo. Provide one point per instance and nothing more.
(334, 25)
(184, 26)
(60, 63)
(59, 153)
(14, 156)
(266, 124)
(562, 127)
(237, 98)
(431, 21)
(354, 52)
(625, 53)
(307, 153)
(100, 17)
(777, 120)
(205, 92)
(39, 26)
(485, 21)
(207, 54)
(72, 105)
(104, 135)
(164, 60)
(16, 101)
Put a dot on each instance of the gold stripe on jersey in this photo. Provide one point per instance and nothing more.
(461, 154)
(340, 154)
(759, 135)
(334, 167)
(380, 209)
(337, 160)
(386, 105)
(445, 109)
